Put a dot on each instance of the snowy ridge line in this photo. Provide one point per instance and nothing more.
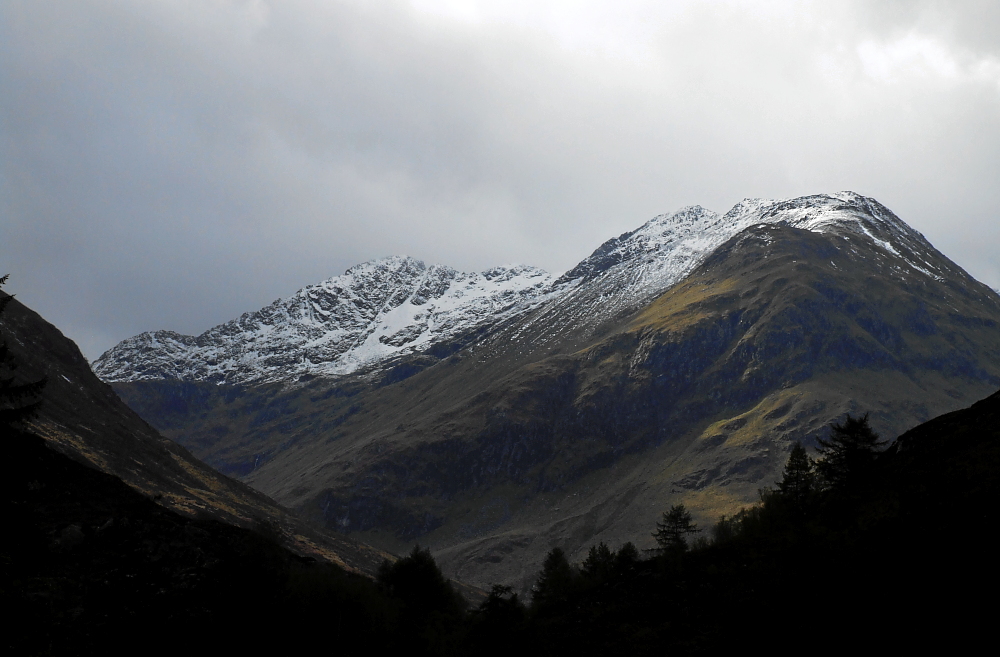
(375, 311)
(385, 308)
(628, 272)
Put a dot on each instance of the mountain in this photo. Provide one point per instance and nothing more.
(676, 364)
(82, 418)
(383, 309)
(374, 312)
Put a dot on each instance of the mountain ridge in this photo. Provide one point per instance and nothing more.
(664, 373)
(396, 306)
(332, 327)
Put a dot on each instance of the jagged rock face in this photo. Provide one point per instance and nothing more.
(374, 312)
(384, 309)
(675, 364)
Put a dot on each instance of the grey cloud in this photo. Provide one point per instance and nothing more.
(972, 25)
(170, 165)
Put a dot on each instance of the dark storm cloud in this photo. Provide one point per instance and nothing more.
(172, 164)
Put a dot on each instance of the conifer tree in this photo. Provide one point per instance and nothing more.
(599, 562)
(627, 557)
(671, 534)
(417, 581)
(799, 479)
(848, 456)
(555, 582)
(497, 618)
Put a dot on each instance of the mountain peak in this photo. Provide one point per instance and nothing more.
(390, 263)
(375, 311)
(388, 307)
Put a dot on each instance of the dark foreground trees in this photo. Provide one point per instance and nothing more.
(838, 556)
(429, 610)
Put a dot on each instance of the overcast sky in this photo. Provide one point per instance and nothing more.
(170, 164)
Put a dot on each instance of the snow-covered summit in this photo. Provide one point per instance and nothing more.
(689, 235)
(846, 214)
(386, 308)
(629, 271)
(376, 310)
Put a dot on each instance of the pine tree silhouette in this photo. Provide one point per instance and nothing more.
(556, 582)
(798, 482)
(671, 534)
(599, 563)
(848, 456)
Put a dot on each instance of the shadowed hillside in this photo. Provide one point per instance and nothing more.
(845, 553)
(83, 418)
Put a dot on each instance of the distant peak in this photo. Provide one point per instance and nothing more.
(389, 262)
(747, 207)
(688, 213)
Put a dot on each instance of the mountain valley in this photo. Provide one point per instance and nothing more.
(493, 417)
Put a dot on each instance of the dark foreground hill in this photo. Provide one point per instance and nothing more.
(91, 566)
(877, 565)
(82, 418)
(117, 541)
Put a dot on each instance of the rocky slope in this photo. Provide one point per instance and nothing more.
(675, 364)
(374, 312)
(82, 418)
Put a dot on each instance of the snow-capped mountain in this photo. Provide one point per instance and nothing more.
(385, 308)
(669, 246)
(676, 364)
(375, 311)
(628, 272)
